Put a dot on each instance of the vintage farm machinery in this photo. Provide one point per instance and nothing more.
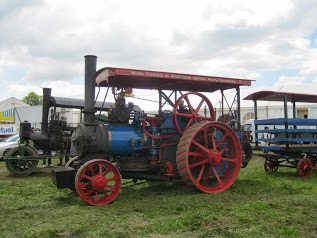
(182, 141)
(288, 142)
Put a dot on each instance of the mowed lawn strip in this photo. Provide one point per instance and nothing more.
(259, 204)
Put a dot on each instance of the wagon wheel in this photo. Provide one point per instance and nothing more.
(98, 182)
(209, 156)
(313, 159)
(21, 167)
(304, 167)
(270, 166)
(247, 154)
(185, 116)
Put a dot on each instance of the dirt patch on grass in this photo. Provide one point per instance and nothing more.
(137, 223)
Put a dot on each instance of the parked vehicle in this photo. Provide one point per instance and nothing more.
(249, 128)
(7, 144)
(182, 141)
(291, 141)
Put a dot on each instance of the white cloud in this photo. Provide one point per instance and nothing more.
(233, 38)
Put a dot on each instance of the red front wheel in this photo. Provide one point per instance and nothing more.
(98, 182)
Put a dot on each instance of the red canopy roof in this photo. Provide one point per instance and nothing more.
(146, 79)
(279, 96)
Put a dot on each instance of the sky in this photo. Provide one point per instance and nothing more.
(43, 42)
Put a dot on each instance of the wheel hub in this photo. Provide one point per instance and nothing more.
(99, 182)
(214, 157)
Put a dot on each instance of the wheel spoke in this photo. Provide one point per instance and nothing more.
(224, 149)
(112, 188)
(86, 177)
(106, 195)
(208, 175)
(201, 173)
(184, 114)
(189, 104)
(198, 163)
(100, 169)
(199, 106)
(110, 179)
(189, 124)
(222, 139)
(231, 160)
(107, 171)
(213, 139)
(203, 118)
(217, 175)
(90, 192)
(196, 154)
(221, 168)
(84, 185)
(96, 198)
(200, 146)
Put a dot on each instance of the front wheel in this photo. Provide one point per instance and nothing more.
(21, 167)
(98, 182)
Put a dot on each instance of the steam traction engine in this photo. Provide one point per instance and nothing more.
(184, 143)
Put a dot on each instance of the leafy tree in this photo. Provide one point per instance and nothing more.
(33, 99)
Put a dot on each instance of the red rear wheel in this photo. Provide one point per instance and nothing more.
(209, 156)
(185, 116)
(98, 182)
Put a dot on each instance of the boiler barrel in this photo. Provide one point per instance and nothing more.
(125, 140)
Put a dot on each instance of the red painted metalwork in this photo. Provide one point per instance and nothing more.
(146, 79)
(151, 135)
(153, 120)
(190, 114)
(98, 182)
(209, 156)
(304, 167)
(128, 90)
(169, 170)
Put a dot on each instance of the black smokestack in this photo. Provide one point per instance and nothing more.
(46, 107)
(90, 81)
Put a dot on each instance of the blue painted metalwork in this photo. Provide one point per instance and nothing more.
(125, 139)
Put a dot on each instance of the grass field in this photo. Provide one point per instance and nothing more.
(259, 204)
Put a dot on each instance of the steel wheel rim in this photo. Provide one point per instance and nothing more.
(70, 162)
(191, 117)
(98, 182)
(208, 163)
(21, 167)
(304, 167)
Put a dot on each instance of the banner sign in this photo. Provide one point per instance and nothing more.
(8, 129)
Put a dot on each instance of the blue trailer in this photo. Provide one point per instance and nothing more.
(288, 141)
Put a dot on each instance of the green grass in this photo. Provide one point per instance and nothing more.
(259, 204)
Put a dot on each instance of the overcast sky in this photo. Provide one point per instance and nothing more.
(43, 42)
